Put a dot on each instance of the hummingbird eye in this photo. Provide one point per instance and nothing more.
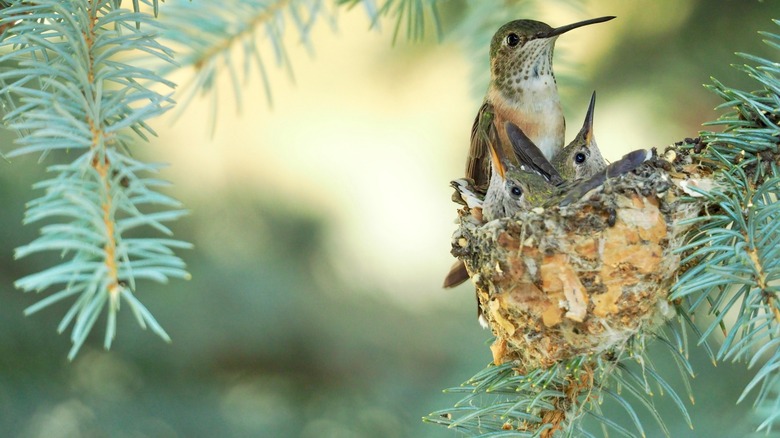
(516, 191)
(580, 158)
(512, 40)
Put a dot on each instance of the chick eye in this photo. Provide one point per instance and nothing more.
(516, 191)
(580, 158)
(512, 40)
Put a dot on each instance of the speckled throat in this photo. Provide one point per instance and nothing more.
(523, 90)
(531, 63)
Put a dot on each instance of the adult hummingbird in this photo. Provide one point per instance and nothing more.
(522, 90)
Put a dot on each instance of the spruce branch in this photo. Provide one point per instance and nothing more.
(733, 257)
(408, 14)
(501, 401)
(209, 35)
(71, 88)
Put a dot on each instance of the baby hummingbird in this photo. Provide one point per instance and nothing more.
(515, 186)
(581, 158)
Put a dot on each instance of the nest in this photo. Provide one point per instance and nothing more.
(560, 282)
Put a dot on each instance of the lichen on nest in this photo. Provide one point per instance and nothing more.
(563, 281)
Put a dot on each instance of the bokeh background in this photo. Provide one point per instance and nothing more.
(322, 229)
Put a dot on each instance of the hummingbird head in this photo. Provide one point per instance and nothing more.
(581, 158)
(513, 187)
(518, 52)
(522, 50)
(525, 189)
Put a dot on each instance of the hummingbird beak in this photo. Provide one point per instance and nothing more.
(498, 159)
(563, 29)
(587, 126)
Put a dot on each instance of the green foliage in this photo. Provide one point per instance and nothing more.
(734, 255)
(210, 34)
(410, 14)
(72, 87)
(71, 93)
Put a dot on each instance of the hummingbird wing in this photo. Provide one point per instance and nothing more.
(529, 155)
(478, 162)
(629, 162)
(478, 170)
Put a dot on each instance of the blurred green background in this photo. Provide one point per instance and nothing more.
(322, 227)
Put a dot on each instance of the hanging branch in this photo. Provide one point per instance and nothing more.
(210, 34)
(409, 14)
(72, 90)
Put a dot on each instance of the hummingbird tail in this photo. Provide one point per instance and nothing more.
(457, 275)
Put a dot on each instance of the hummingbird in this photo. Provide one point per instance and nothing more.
(581, 158)
(522, 90)
(515, 186)
(582, 166)
(627, 163)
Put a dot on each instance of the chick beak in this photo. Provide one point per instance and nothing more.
(497, 156)
(587, 126)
